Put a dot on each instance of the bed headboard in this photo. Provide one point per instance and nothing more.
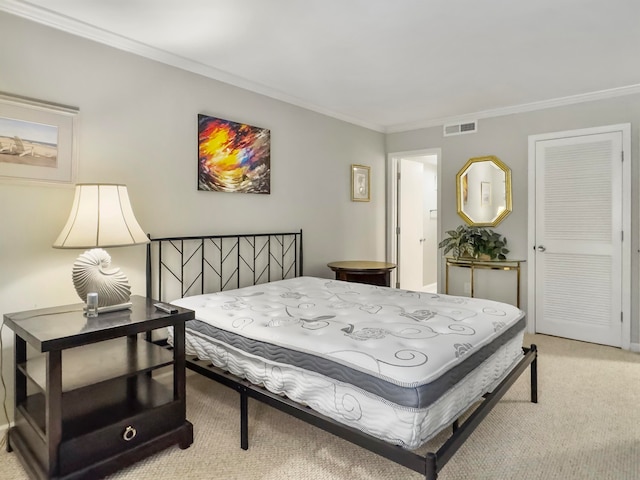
(181, 266)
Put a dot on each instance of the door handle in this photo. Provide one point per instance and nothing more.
(541, 248)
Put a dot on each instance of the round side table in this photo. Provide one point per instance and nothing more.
(363, 271)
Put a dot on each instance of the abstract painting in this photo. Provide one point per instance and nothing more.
(233, 157)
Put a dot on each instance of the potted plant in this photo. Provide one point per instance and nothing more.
(476, 242)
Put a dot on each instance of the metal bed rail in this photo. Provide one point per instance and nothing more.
(429, 465)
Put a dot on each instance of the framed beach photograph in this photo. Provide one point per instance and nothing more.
(37, 140)
(360, 183)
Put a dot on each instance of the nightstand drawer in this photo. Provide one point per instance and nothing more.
(85, 450)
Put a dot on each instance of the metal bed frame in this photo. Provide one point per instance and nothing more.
(201, 264)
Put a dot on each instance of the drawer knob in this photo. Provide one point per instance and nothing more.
(129, 433)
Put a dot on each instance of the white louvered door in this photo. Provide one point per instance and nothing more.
(578, 259)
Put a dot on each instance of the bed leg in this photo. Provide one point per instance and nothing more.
(534, 375)
(244, 420)
(431, 467)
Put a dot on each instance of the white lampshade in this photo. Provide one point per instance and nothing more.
(101, 216)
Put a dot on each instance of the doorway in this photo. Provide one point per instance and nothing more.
(413, 223)
(579, 229)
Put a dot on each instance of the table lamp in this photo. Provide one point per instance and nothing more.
(101, 216)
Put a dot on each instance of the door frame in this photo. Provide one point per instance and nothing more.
(393, 159)
(625, 129)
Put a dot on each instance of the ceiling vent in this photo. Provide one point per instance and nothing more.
(460, 128)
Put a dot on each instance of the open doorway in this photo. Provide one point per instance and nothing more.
(413, 226)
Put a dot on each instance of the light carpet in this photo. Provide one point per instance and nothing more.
(585, 426)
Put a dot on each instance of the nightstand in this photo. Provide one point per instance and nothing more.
(86, 400)
(359, 271)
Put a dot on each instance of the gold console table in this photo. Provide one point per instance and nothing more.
(476, 264)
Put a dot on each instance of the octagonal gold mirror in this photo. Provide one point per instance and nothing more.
(483, 189)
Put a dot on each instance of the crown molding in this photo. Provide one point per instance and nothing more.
(525, 107)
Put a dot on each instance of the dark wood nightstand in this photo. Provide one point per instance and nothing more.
(86, 401)
(361, 271)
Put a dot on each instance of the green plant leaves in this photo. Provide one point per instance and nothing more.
(473, 242)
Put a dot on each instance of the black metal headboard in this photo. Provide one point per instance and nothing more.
(181, 266)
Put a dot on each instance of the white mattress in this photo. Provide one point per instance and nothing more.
(385, 338)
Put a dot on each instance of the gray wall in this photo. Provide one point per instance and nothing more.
(138, 126)
(507, 138)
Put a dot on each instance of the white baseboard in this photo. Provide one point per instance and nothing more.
(432, 288)
(635, 347)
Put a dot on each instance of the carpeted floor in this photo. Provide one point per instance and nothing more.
(585, 426)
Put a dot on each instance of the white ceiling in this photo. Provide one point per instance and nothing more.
(390, 65)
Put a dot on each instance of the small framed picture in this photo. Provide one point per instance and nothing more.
(360, 183)
(37, 140)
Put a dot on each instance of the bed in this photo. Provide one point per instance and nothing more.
(384, 368)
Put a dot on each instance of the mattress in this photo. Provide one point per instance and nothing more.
(396, 364)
